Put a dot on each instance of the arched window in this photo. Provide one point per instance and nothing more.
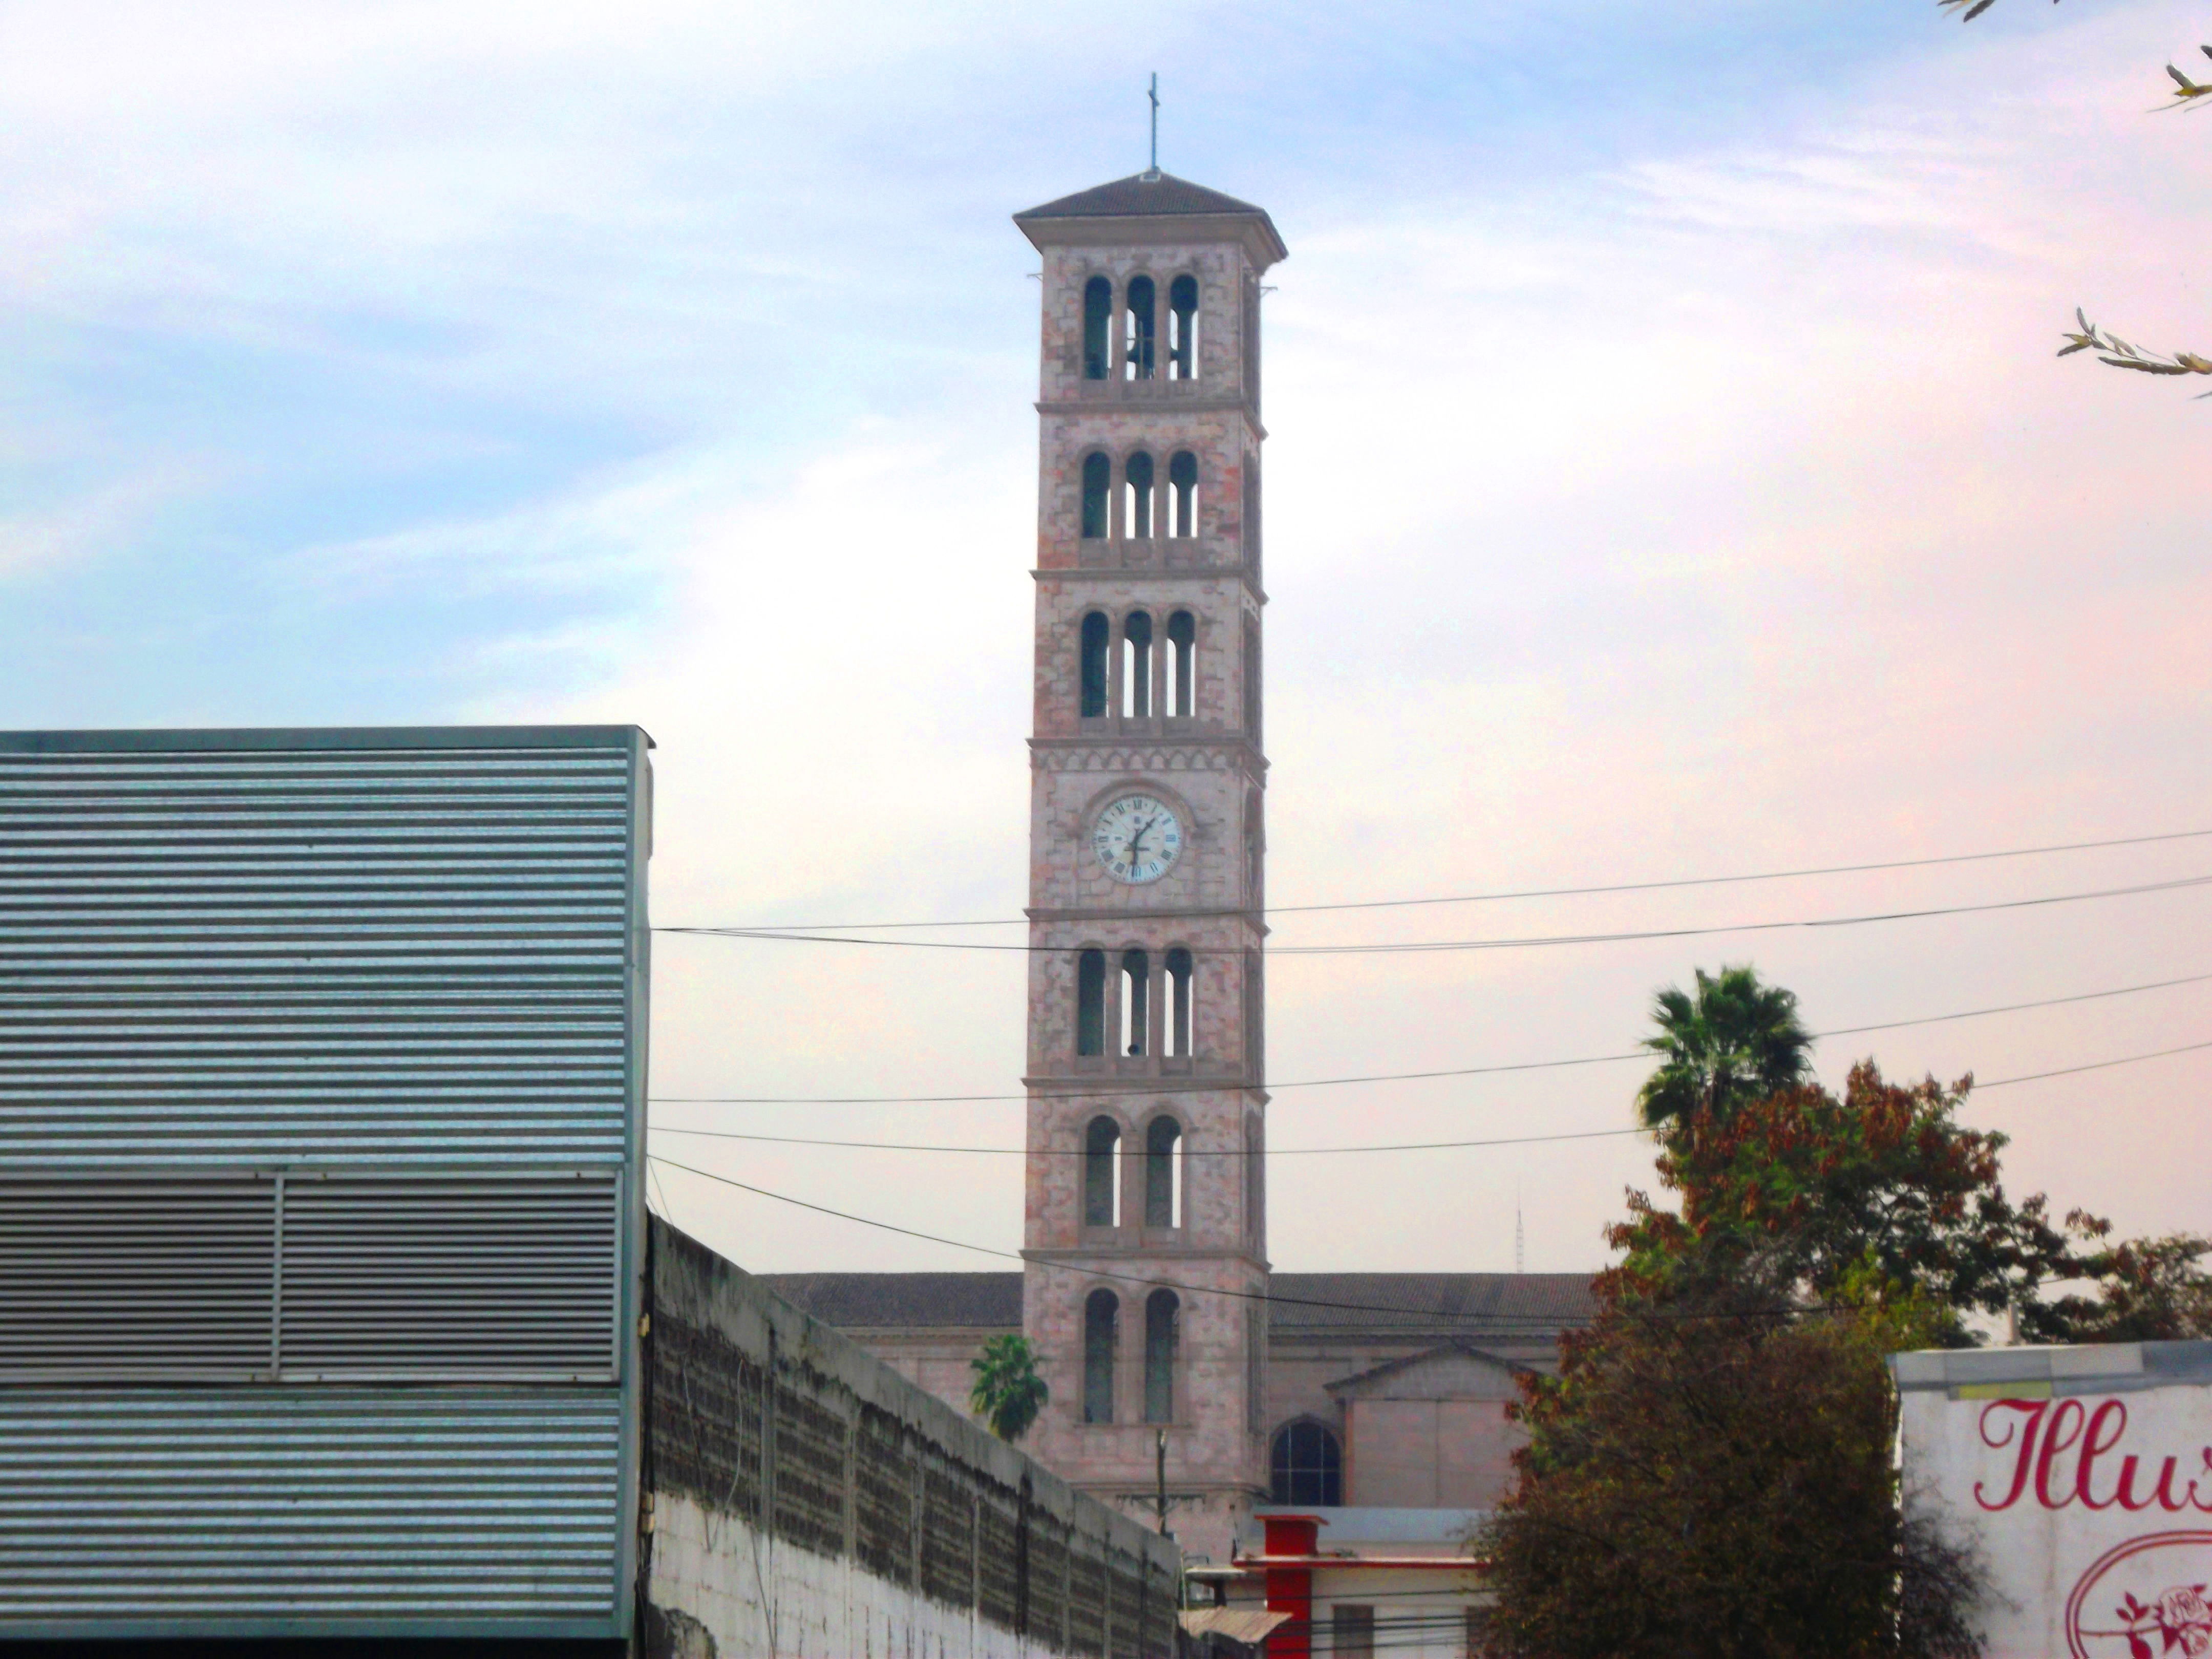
(1164, 1173)
(1137, 336)
(1306, 1466)
(1252, 679)
(1098, 328)
(1137, 666)
(1248, 347)
(1136, 986)
(1091, 1002)
(1182, 329)
(1102, 1330)
(1097, 641)
(1182, 666)
(1102, 1173)
(1137, 514)
(1097, 490)
(1252, 513)
(1161, 1311)
(1183, 494)
(1180, 1006)
(1255, 1184)
(1255, 1013)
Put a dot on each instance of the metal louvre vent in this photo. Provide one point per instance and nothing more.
(136, 1279)
(465, 1276)
(335, 1508)
(293, 1277)
(240, 957)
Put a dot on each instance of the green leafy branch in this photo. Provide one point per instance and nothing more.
(2109, 347)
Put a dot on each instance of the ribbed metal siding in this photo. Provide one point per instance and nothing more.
(364, 1510)
(400, 1277)
(363, 956)
(137, 1278)
(292, 1278)
(243, 957)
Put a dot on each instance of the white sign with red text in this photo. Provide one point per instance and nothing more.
(2093, 1511)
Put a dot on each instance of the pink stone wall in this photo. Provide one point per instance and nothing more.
(1429, 1454)
(1208, 766)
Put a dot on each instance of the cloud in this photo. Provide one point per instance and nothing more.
(84, 525)
(1668, 474)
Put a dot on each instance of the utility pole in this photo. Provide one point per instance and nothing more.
(1160, 1477)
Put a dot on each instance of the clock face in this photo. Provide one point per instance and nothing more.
(1137, 838)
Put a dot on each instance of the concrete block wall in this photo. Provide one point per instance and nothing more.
(806, 1500)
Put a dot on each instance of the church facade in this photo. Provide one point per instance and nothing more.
(1177, 1360)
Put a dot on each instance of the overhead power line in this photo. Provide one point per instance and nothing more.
(1405, 947)
(1188, 1087)
(1528, 892)
(1192, 1152)
(1317, 1151)
(1504, 1324)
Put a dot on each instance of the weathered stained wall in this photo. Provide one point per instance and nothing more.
(807, 1499)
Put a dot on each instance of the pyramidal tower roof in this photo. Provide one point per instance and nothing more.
(1151, 195)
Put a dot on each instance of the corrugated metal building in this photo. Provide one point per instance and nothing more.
(322, 1060)
(329, 1310)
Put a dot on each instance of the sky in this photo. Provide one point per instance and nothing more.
(1669, 476)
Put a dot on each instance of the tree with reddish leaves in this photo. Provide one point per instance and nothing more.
(1885, 1176)
(1710, 1474)
(1710, 1477)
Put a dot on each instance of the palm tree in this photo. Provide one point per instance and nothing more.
(1736, 1040)
(1008, 1393)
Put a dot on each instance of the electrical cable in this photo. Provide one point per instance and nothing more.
(1541, 892)
(1501, 1325)
(1317, 1151)
(1403, 1077)
(1192, 1152)
(1404, 1146)
(1415, 947)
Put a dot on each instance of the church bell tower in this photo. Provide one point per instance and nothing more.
(1145, 1227)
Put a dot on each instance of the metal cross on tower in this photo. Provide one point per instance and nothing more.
(1154, 94)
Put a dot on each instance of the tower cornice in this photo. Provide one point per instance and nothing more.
(1210, 572)
(1153, 207)
(1115, 401)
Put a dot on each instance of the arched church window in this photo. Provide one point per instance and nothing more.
(1255, 1182)
(1097, 642)
(1137, 515)
(1098, 328)
(1306, 1466)
(1182, 666)
(1252, 679)
(1136, 991)
(1248, 347)
(1181, 1004)
(1183, 494)
(1102, 1173)
(1252, 514)
(1182, 329)
(1162, 1311)
(1097, 491)
(1164, 1173)
(1137, 665)
(1138, 336)
(1091, 1002)
(1102, 1329)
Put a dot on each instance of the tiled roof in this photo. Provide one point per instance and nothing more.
(1500, 1304)
(1142, 195)
(1497, 1307)
(874, 1301)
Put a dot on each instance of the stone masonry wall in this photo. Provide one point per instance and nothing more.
(807, 1500)
(1206, 764)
